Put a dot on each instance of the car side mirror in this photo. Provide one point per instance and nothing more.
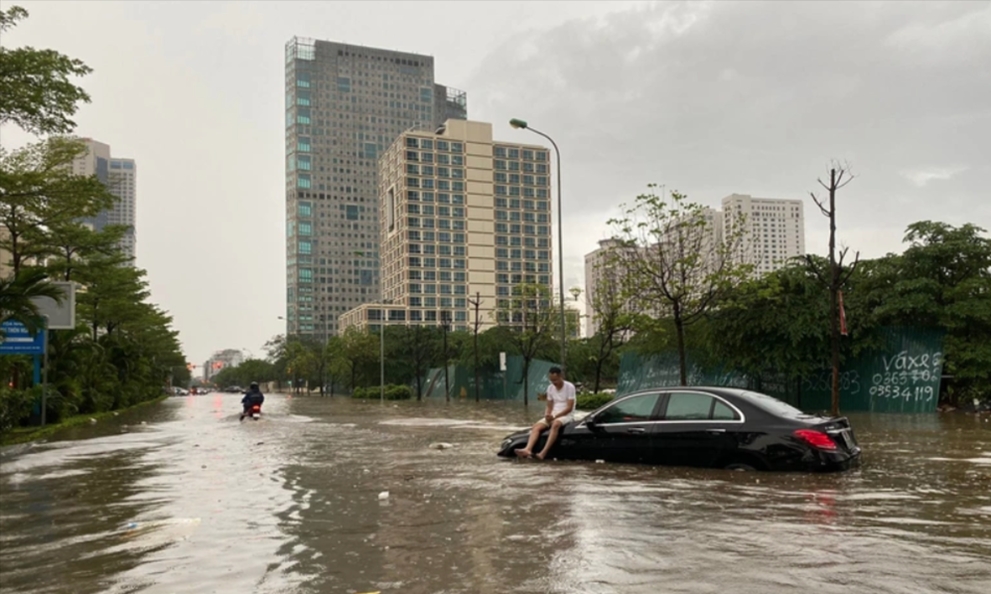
(590, 422)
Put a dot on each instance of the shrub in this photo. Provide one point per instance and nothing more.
(592, 401)
(15, 406)
(392, 392)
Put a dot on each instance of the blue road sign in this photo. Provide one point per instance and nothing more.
(17, 340)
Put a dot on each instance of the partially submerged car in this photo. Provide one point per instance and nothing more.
(708, 427)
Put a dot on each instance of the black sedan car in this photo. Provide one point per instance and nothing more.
(704, 427)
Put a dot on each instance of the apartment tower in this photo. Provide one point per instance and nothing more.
(461, 217)
(345, 105)
(775, 229)
(120, 177)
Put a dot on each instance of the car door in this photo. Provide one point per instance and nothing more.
(694, 429)
(621, 432)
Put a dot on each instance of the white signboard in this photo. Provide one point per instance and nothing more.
(60, 316)
(502, 361)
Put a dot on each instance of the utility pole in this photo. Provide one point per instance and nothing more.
(445, 317)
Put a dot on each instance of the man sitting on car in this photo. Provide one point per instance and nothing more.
(559, 411)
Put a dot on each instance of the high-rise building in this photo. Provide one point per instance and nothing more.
(462, 217)
(603, 274)
(345, 105)
(775, 229)
(123, 176)
(120, 177)
(221, 360)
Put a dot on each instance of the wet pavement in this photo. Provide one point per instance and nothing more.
(194, 501)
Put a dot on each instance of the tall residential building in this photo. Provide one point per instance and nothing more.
(602, 281)
(221, 360)
(461, 217)
(345, 105)
(119, 175)
(775, 229)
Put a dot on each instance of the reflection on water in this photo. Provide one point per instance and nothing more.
(195, 501)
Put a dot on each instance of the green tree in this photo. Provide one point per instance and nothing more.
(38, 92)
(18, 294)
(943, 279)
(531, 317)
(671, 262)
(613, 315)
(39, 193)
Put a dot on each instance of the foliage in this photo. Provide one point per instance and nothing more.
(942, 280)
(671, 262)
(392, 392)
(251, 370)
(530, 318)
(17, 296)
(592, 401)
(38, 93)
(124, 350)
(614, 317)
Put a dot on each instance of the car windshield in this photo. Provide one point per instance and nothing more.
(774, 406)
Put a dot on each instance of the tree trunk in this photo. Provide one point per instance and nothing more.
(834, 289)
(477, 382)
(679, 326)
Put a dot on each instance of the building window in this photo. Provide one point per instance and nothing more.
(442, 145)
(351, 212)
(499, 151)
(304, 247)
(427, 196)
(412, 142)
(305, 229)
(303, 181)
(501, 191)
(413, 168)
(302, 144)
(305, 275)
(343, 84)
(457, 147)
(305, 210)
(457, 199)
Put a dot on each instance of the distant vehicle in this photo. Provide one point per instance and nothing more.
(255, 412)
(176, 390)
(704, 427)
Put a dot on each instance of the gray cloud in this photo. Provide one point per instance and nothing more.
(709, 98)
(715, 98)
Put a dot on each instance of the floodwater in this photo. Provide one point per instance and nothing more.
(194, 501)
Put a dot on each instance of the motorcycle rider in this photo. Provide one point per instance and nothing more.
(252, 397)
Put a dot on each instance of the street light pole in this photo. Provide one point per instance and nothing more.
(382, 355)
(521, 124)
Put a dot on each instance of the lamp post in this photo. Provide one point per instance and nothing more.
(382, 351)
(521, 124)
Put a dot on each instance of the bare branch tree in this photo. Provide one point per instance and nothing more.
(834, 279)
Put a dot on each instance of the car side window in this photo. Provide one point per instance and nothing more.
(721, 412)
(688, 406)
(631, 410)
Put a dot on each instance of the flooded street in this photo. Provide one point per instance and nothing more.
(194, 501)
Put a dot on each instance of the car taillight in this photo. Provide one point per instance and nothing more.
(816, 439)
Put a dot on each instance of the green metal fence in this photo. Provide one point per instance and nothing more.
(902, 376)
(506, 385)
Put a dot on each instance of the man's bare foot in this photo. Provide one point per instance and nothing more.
(523, 453)
(541, 456)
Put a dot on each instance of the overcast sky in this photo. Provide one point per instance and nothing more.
(707, 98)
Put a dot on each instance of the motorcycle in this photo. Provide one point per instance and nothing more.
(255, 412)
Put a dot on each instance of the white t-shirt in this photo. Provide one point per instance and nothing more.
(561, 397)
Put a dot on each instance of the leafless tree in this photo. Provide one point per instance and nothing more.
(835, 278)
